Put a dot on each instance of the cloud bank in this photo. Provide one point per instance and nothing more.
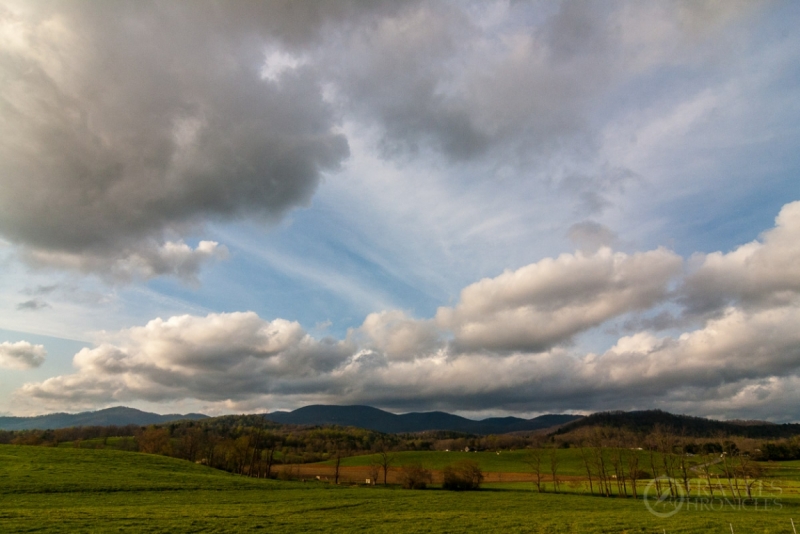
(506, 345)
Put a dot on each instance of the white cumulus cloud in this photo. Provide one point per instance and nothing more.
(765, 272)
(548, 302)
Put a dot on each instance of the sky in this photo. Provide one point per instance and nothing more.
(487, 208)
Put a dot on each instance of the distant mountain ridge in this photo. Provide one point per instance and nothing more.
(646, 421)
(381, 421)
(117, 416)
(367, 417)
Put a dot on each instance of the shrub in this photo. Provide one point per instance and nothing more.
(462, 476)
(414, 476)
(290, 473)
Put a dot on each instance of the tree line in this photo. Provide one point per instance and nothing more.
(616, 461)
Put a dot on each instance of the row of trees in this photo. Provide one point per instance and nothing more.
(614, 468)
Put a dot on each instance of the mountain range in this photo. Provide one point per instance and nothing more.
(367, 417)
(117, 416)
(357, 416)
(381, 421)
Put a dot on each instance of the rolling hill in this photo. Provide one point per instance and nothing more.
(646, 421)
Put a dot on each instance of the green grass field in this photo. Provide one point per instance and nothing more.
(569, 460)
(78, 490)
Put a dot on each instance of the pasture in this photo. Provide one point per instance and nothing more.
(76, 490)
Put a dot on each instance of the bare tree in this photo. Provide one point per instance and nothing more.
(374, 470)
(750, 472)
(271, 446)
(618, 464)
(633, 470)
(256, 440)
(386, 459)
(533, 459)
(602, 470)
(554, 468)
(730, 473)
(587, 464)
(599, 459)
(337, 463)
(683, 465)
(665, 442)
(656, 478)
(705, 469)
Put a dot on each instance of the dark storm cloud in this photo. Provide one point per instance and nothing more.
(124, 120)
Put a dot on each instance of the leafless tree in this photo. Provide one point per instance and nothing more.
(386, 459)
(633, 470)
(256, 441)
(730, 474)
(705, 468)
(270, 458)
(685, 468)
(374, 470)
(750, 472)
(337, 462)
(554, 467)
(617, 463)
(586, 458)
(656, 477)
(599, 460)
(533, 459)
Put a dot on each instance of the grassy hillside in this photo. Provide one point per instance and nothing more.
(74, 490)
